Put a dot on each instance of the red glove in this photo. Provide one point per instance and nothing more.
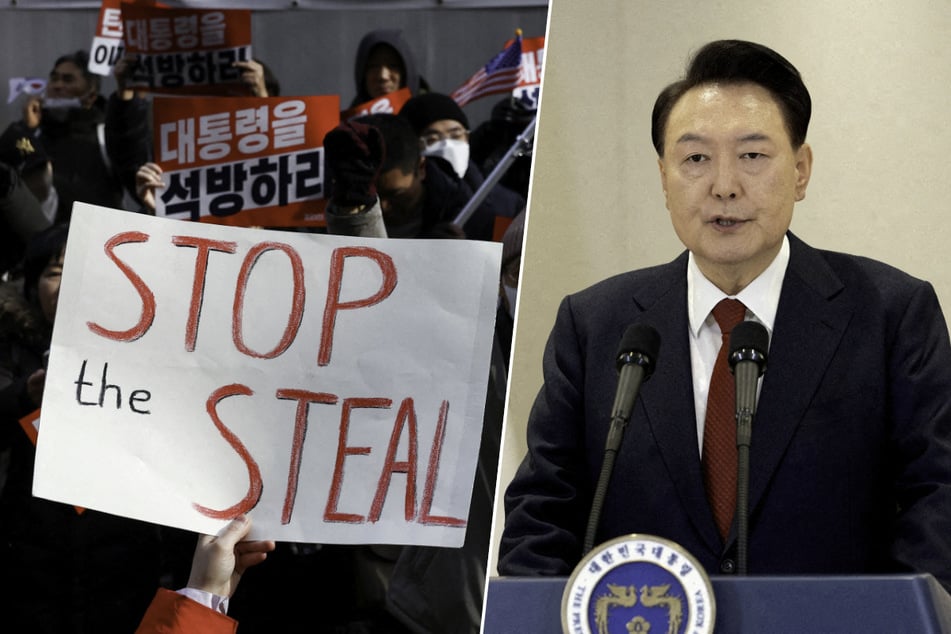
(354, 155)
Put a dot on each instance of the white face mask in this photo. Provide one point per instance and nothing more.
(58, 109)
(456, 152)
(66, 103)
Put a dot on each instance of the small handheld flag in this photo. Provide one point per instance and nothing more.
(498, 76)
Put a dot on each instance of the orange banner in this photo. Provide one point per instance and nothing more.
(530, 76)
(244, 161)
(107, 47)
(387, 104)
(187, 51)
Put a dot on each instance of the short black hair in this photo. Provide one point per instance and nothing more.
(40, 251)
(399, 139)
(80, 59)
(737, 62)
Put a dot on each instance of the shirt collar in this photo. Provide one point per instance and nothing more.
(761, 296)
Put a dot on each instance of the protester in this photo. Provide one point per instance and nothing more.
(491, 140)
(217, 568)
(95, 146)
(415, 202)
(851, 452)
(27, 198)
(443, 131)
(384, 64)
(65, 570)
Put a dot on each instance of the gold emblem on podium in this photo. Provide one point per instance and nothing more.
(638, 584)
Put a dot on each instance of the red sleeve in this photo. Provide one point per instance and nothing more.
(173, 613)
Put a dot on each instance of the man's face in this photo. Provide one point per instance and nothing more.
(444, 129)
(731, 178)
(401, 195)
(384, 71)
(67, 80)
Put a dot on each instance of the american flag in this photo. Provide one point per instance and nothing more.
(498, 76)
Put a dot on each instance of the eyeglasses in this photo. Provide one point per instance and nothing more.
(456, 134)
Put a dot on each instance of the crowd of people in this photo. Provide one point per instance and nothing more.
(70, 570)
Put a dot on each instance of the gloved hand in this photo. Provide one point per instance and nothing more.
(354, 155)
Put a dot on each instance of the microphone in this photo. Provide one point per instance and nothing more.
(636, 357)
(748, 344)
(749, 341)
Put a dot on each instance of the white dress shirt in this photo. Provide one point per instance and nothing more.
(761, 298)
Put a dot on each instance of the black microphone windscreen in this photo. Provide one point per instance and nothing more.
(639, 339)
(749, 335)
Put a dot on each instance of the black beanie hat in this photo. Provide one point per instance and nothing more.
(423, 109)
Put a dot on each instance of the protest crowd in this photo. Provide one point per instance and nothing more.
(401, 161)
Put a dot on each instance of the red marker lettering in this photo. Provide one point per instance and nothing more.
(334, 305)
(330, 512)
(304, 398)
(148, 298)
(390, 466)
(432, 472)
(297, 307)
(254, 473)
(204, 245)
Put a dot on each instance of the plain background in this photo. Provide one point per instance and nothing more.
(879, 73)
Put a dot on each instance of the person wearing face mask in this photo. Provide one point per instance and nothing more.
(382, 187)
(443, 131)
(94, 144)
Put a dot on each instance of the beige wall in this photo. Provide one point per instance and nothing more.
(880, 77)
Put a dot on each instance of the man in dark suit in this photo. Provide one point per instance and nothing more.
(850, 463)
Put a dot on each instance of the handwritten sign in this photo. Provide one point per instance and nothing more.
(390, 103)
(245, 161)
(331, 387)
(186, 51)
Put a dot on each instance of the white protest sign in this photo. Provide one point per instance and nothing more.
(332, 387)
(107, 47)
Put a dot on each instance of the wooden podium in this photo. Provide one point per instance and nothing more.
(745, 605)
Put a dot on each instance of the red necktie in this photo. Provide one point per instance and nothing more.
(719, 432)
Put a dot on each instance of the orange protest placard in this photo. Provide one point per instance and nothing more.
(530, 76)
(107, 47)
(187, 51)
(244, 161)
(387, 104)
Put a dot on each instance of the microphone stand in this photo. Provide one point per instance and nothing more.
(521, 147)
(635, 367)
(607, 467)
(744, 428)
(746, 380)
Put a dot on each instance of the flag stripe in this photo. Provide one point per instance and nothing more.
(500, 75)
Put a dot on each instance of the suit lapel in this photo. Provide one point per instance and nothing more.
(809, 326)
(667, 398)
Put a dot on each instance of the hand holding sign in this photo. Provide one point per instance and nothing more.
(332, 386)
(221, 559)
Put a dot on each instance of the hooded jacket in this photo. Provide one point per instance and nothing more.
(393, 38)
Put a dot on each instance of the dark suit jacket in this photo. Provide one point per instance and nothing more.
(850, 464)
